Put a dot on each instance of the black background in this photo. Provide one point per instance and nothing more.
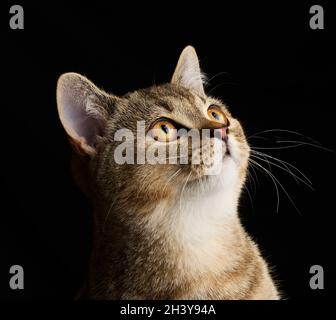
(278, 74)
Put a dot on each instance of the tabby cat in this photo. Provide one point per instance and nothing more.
(165, 230)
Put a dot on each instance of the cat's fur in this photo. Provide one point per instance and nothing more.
(158, 235)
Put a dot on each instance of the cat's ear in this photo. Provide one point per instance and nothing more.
(83, 111)
(187, 72)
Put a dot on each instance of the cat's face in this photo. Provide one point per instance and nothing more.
(156, 142)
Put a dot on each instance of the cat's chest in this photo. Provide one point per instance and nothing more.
(199, 230)
(202, 217)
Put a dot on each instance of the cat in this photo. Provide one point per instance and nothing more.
(165, 231)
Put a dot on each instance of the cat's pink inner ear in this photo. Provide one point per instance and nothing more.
(77, 112)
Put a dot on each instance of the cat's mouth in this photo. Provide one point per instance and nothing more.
(228, 151)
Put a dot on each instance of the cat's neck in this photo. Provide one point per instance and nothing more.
(185, 239)
(199, 226)
(192, 228)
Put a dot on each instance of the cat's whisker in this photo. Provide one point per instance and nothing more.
(216, 75)
(281, 186)
(255, 175)
(296, 178)
(250, 176)
(282, 130)
(278, 148)
(285, 163)
(257, 137)
(265, 159)
(251, 179)
(175, 174)
(270, 175)
(183, 190)
(108, 213)
(222, 84)
(293, 143)
(255, 180)
(247, 189)
(306, 143)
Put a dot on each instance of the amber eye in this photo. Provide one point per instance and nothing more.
(216, 114)
(163, 130)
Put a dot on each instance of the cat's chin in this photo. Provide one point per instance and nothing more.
(228, 175)
(224, 178)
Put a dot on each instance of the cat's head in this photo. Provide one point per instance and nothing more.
(154, 131)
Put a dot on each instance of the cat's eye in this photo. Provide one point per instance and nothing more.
(164, 131)
(216, 114)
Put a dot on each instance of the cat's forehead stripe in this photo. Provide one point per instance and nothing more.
(166, 96)
(159, 100)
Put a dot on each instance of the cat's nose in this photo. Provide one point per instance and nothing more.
(218, 130)
(221, 133)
